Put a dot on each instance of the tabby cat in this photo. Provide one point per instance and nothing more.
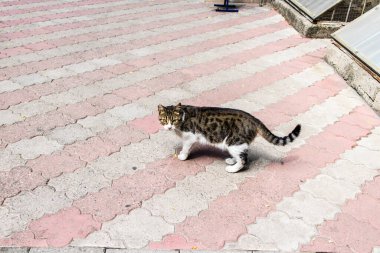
(228, 129)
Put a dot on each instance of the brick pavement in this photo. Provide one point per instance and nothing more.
(84, 162)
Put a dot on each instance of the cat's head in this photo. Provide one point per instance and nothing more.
(170, 116)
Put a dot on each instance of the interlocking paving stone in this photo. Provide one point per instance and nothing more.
(35, 107)
(84, 161)
(312, 210)
(32, 148)
(31, 79)
(69, 134)
(9, 160)
(325, 187)
(271, 231)
(8, 85)
(349, 172)
(9, 117)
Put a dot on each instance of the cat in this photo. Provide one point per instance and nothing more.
(228, 129)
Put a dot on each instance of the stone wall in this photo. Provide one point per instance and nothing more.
(358, 78)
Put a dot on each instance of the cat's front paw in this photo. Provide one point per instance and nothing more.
(182, 156)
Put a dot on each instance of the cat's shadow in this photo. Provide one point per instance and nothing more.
(203, 150)
(254, 155)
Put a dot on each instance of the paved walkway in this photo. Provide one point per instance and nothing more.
(84, 162)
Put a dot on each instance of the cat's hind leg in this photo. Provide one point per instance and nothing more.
(240, 154)
(187, 142)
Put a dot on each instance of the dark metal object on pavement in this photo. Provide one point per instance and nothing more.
(226, 7)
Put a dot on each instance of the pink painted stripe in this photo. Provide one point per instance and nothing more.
(259, 195)
(356, 228)
(74, 13)
(74, 155)
(57, 62)
(32, 126)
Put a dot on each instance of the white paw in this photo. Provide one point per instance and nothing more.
(183, 156)
(230, 161)
(234, 168)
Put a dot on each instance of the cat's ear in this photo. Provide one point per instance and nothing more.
(178, 105)
(161, 108)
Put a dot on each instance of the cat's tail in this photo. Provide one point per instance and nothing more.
(270, 137)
